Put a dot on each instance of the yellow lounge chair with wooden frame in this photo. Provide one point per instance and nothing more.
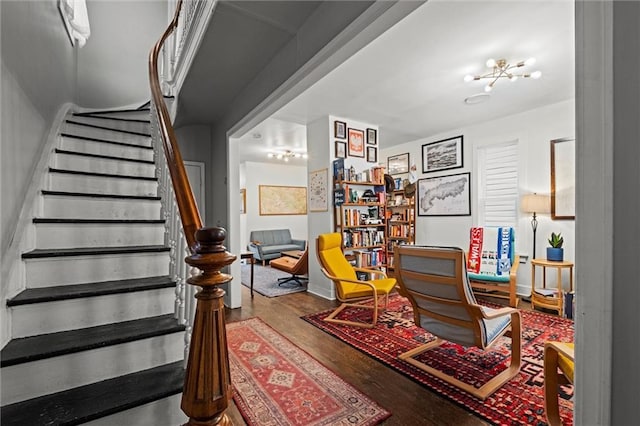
(349, 289)
(435, 280)
(557, 355)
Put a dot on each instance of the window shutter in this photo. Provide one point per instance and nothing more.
(498, 184)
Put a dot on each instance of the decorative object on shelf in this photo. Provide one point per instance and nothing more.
(341, 149)
(442, 155)
(445, 195)
(502, 69)
(555, 252)
(534, 203)
(282, 200)
(397, 164)
(372, 137)
(286, 155)
(318, 191)
(355, 143)
(372, 154)
(340, 129)
(563, 179)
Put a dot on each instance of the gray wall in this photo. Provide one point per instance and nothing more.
(38, 76)
(112, 66)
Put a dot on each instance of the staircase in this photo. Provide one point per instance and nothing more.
(94, 332)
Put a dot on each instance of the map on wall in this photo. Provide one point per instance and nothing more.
(318, 189)
(445, 196)
(282, 200)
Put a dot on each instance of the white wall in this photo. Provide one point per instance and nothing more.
(112, 66)
(257, 174)
(534, 130)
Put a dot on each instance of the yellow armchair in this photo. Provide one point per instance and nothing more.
(559, 369)
(349, 289)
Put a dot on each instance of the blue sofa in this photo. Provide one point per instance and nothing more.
(268, 244)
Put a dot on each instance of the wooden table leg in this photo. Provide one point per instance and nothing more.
(252, 260)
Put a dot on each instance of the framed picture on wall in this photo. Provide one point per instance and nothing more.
(372, 137)
(372, 154)
(355, 143)
(318, 191)
(442, 155)
(398, 164)
(341, 149)
(339, 129)
(445, 195)
(563, 179)
(243, 201)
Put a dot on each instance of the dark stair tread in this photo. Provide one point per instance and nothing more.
(90, 402)
(106, 175)
(95, 195)
(76, 291)
(92, 115)
(33, 348)
(111, 111)
(87, 138)
(39, 253)
(111, 129)
(106, 157)
(100, 221)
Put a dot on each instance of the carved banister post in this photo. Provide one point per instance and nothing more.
(207, 385)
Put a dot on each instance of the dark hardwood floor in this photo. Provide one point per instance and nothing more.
(409, 402)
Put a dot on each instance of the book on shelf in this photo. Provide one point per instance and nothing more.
(546, 291)
(338, 169)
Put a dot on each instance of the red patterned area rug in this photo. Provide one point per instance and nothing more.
(277, 383)
(519, 401)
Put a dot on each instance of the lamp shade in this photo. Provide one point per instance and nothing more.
(536, 203)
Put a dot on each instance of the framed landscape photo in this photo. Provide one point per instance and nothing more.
(442, 155)
(372, 137)
(355, 143)
(341, 149)
(372, 154)
(339, 129)
(563, 179)
(398, 164)
(445, 195)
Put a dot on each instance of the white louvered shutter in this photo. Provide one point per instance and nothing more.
(498, 184)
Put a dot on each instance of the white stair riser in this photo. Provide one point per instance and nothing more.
(101, 185)
(110, 135)
(53, 271)
(63, 315)
(132, 126)
(163, 412)
(77, 235)
(101, 148)
(78, 369)
(60, 206)
(103, 165)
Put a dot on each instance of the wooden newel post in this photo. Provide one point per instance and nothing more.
(207, 383)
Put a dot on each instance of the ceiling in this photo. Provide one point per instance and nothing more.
(409, 81)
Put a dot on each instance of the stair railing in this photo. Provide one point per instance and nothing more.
(207, 384)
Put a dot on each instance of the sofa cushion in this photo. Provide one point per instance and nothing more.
(278, 248)
(271, 237)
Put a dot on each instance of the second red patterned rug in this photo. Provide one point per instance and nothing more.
(277, 383)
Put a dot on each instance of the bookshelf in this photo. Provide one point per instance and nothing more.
(360, 212)
(400, 222)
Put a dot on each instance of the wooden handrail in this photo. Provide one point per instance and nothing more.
(187, 206)
(207, 384)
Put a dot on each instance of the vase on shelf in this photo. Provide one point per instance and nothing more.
(555, 254)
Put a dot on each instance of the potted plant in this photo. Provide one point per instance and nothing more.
(555, 252)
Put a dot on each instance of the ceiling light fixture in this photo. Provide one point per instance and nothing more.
(501, 69)
(286, 155)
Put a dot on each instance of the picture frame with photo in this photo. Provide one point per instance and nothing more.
(372, 137)
(444, 195)
(355, 143)
(442, 155)
(398, 164)
(341, 149)
(372, 154)
(563, 184)
(339, 129)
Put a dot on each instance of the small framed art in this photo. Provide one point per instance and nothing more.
(341, 149)
(372, 137)
(339, 129)
(355, 143)
(442, 155)
(398, 164)
(372, 154)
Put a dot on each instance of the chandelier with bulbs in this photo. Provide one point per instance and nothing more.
(286, 155)
(501, 69)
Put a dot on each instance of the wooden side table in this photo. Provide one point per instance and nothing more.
(249, 255)
(547, 297)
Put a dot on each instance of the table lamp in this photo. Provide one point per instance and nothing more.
(535, 203)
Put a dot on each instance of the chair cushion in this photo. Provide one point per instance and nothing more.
(491, 253)
(566, 364)
(494, 327)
